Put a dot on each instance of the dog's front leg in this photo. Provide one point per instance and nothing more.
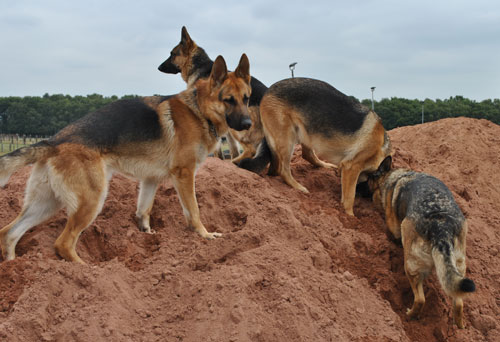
(349, 174)
(183, 180)
(147, 192)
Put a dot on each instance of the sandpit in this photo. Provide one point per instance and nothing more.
(289, 267)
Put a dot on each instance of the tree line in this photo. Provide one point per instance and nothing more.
(48, 114)
(397, 112)
(35, 115)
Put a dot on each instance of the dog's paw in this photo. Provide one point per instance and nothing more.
(411, 314)
(211, 236)
(147, 230)
(329, 166)
(302, 189)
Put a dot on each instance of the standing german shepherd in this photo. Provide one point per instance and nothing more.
(421, 211)
(146, 138)
(193, 63)
(338, 128)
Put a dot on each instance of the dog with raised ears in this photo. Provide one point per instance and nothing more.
(149, 139)
(421, 211)
(326, 122)
(193, 63)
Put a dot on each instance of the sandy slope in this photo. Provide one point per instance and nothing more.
(290, 266)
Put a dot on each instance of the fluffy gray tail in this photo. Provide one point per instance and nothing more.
(451, 280)
(23, 156)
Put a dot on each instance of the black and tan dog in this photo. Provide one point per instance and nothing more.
(149, 139)
(193, 63)
(421, 211)
(338, 128)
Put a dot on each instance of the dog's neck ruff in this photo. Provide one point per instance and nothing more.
(211, 127)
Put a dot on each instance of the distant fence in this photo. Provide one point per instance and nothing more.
(11, 142)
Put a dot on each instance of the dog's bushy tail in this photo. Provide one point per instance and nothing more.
(23, 156)
(453, 283)
(259, 162)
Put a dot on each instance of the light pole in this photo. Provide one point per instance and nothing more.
(292, 67)
(422, 111)
(373, 105)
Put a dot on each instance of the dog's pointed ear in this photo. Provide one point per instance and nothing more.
(186, 40)
(385, 166)
(243, 69)
(219, 72)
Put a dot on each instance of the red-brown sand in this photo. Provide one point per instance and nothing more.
(289, 267)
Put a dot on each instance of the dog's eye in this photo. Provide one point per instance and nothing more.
(230, 100)
(174, 52)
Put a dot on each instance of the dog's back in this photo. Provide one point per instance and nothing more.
(124, 121)
(324, 109)
(430, 204)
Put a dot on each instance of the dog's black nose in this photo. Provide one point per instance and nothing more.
(246, 124)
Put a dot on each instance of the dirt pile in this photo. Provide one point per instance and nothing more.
(289, 267)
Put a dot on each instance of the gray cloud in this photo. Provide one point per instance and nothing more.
(425, 49)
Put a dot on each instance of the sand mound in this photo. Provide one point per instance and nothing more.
(290, 266)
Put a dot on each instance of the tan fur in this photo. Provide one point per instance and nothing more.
(419, 257)
(250, 138)
(75, 176)
(354, 154)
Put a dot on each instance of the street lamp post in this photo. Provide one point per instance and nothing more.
(422, 111)
(292, 67)
(373, 105)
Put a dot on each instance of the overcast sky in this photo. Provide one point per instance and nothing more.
(410, 49)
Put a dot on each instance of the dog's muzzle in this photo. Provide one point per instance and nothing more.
(168, 67)
(238, 122)
(246, 123)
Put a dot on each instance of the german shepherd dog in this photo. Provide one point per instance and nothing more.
(148, 139)
(338, 128)
(193, 63)
(421, 211)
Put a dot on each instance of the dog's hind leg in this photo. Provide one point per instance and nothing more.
(65, 244)
(183, 180)
(281, 136)
(82, 189)
(309, 155)
(284, 159)
(282, 149)
(416, 282)
(415, 275)
(147, 192)
(459, 253)
(40, 204)
(458, 312)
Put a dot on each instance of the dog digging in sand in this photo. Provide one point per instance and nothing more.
(338, 128)
(193, 63)
(421, 211)
(149, 139)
